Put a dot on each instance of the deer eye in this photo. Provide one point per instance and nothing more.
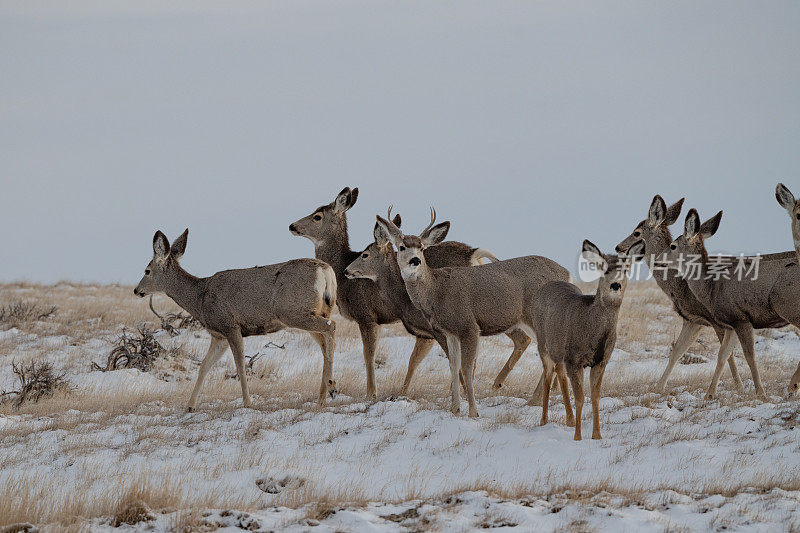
(637, 233)
(673, 246)
(797, 216)
(317, 217)
(364, 256)
(401, 248)
(147, 272)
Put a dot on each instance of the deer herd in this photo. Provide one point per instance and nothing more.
(452, 294)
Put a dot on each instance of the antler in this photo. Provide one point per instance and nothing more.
(389, 213)
(433, 219)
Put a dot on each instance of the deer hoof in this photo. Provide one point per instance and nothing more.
(711, 397)
(189, 409)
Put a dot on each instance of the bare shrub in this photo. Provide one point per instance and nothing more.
(21, 312)
(173, 322)
(36, 381)
(133, 350)
(131, 513)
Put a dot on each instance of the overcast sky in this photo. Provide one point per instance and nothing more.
(530, 125)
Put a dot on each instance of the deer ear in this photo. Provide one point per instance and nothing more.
(592, 253)
(657, 212)
(344, 200)
(673, 212)
(179, 245)
(160, 245)
(392, 231)
(353, 197)
(785, 197)
(710, 226)
(381, 235)
(436, 234)
(691, 227)
(397, 220)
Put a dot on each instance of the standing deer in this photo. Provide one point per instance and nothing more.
(787, 201)
(580, 330)
(378, 262)
(359, 299)
(233, 304)
(654, 232)
(768, 300)
(465, 303)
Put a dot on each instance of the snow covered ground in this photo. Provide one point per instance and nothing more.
(119, 445)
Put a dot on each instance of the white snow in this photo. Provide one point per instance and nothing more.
(665, 462)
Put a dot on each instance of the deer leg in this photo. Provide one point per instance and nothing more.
(369, 338)
(536, 397)
(328, 385)
(469, 350)
(454, 357)
(689, 333)
(215, 351)
(561, 372)
(323, 331)
(547, 375)
(237, 347)
(521, 342)
(421, 349)
(576, 377)
(737, 381)
(596, 379)
(725, 350)
(744, 331)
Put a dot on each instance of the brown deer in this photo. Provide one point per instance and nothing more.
(787, 201)
(465, 303)
(654, 232)
(234, 304)
(378, 262)
(359, 299)
(580, 330)
(740, 302)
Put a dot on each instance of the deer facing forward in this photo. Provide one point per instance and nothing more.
(464, 303)
(234, 304)
(580, 330)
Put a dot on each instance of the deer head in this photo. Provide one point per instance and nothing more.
(787, 201)
(327, 221)
(654, 228)
(691, 244)
(410, 247)
(373, 260)
(160, 270)
(614, 280)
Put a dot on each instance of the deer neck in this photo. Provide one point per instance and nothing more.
(658, 245)
(796, 236)
(421, 287)
(187, 291)
(335, 250)
(701, 287)
(390, 281)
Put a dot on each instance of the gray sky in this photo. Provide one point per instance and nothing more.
(530, 125)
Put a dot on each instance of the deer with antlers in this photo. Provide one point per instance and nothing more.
(362, 300)
(464, 303)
